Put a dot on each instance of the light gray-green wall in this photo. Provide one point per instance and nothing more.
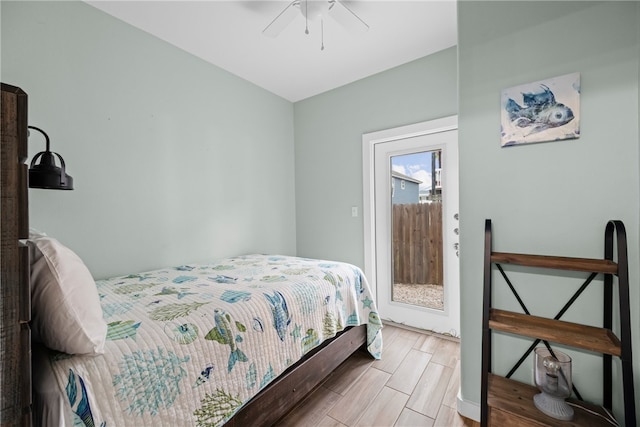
(328, 135)
(549, 198)
(174, 160)
(164, 147)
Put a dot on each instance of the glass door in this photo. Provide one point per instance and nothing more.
(415, 229)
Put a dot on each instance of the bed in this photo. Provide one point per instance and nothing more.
(237, 341)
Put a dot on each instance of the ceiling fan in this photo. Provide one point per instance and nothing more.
(314, 10)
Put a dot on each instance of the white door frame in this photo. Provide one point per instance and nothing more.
(369, 212)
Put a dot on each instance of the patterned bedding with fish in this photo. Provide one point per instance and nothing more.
(190, 345)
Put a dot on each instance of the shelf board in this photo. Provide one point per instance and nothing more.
(513, 400)
(573, 334)
(554, 262)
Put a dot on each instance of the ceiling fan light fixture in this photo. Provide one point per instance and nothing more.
(314, 9)
(317, 9)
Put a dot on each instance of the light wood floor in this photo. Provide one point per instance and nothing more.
(415, 384)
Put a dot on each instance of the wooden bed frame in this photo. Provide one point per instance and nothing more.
(266, 408)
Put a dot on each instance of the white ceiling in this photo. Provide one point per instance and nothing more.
(229, 35)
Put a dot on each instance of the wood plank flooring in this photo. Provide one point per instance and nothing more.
(415, 384)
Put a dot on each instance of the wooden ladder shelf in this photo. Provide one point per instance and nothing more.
(508, 402)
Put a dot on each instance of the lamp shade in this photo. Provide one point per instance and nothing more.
(46, 174)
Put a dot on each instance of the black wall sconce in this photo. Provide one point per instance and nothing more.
(46, 174)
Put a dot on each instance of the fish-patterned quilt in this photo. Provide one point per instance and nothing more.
(188, 346)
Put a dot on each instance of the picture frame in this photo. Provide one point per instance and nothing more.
(541, 111)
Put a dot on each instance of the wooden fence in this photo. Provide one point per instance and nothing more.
(417, 243)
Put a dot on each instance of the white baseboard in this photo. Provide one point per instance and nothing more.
(468, 409)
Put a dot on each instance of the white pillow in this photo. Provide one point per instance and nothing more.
(66, 311)
(36, 234)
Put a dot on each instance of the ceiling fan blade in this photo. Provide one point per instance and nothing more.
(282, 20)
(346, 17)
